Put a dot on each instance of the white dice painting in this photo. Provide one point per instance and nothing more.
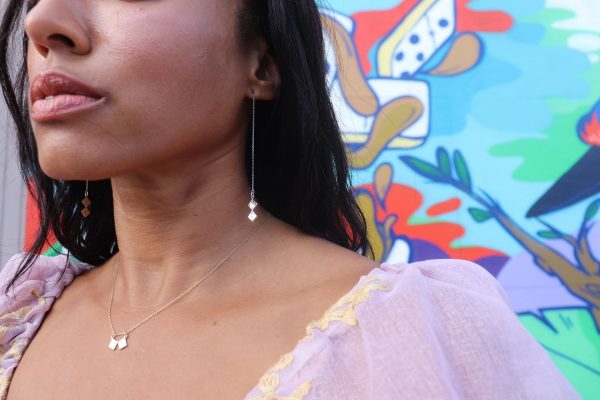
(416, 39)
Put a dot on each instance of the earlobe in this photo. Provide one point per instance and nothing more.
(265, 79)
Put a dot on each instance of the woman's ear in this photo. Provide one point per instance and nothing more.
(264, 77)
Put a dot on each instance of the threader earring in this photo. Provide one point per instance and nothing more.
(252, 205)
(86, 202)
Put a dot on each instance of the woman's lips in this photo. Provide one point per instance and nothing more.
(62, 105)
(55, 95)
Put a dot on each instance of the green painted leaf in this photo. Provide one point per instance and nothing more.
(443, 160)
(424, 168)
(479, 215)
(462, 170)
(549, 235)
(54, 250)
(592, 210)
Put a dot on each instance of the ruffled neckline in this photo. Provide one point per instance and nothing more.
(337, 320)
(23, 311)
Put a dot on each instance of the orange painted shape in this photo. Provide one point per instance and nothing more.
(444, 207)
(404, 201)
(468, 20)
(591, 133)
(32, 225)
(371, 26)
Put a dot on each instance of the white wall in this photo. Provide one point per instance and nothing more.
(12, 192)
(12, 189)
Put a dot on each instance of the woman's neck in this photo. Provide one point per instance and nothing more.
(172, 230)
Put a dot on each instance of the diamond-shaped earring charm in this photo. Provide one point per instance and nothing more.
(86, 202)
(252, 205)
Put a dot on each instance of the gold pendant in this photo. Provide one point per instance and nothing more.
(121, 343)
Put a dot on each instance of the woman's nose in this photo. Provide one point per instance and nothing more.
(58, 25)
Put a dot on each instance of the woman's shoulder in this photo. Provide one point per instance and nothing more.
(451, 280)
(433, 289)
(437, 329)
(446, 294)
(46, 278)
(438, 305)
(23, 307)
(449, 323)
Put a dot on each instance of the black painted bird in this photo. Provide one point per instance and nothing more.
(582, 180)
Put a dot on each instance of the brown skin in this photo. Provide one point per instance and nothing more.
(179, 84)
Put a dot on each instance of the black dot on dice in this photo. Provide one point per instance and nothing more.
(420, 57)
(443, 22)
(405, 75)
(399, 56)
(414, 39)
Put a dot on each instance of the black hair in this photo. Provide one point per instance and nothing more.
(301, 167)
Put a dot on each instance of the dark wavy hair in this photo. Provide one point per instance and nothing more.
(301, 168)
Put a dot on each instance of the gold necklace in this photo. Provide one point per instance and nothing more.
(121, 342)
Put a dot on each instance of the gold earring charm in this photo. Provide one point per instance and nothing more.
(86, 202)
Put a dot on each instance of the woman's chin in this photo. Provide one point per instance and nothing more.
(68, 170)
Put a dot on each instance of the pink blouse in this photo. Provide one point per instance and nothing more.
(434, 329)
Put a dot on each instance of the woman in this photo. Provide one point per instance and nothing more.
(217, 221)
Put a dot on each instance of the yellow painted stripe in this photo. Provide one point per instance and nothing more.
(385, 55)
(396, 143)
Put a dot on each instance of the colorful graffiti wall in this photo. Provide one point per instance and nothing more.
(474, 133)
(474, 130)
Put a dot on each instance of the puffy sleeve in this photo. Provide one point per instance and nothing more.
(437, 329)
(46, 278)
(23, 308)
(16, 295)
(29, 287)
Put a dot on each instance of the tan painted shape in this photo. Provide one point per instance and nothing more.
(353, 83)
(367, 206)
(462, 56)
(383, 180)
(393, 119)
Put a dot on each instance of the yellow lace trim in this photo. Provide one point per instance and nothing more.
(343, 310)
(9, 320)
(15, 352)
(269, 382)
(17, 346)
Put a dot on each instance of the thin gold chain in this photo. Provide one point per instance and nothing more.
(185, 292)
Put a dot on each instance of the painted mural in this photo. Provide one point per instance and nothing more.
(473, 127)
(474, 132)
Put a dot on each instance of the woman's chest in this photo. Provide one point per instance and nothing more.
(69, 358)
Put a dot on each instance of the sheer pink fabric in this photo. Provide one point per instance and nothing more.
(435, 329)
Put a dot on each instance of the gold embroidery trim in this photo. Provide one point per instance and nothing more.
(16, 315)
(16, 346)
(15, 352)
(3, 383)
(343, 310)
(15, 318)
(269, 382)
